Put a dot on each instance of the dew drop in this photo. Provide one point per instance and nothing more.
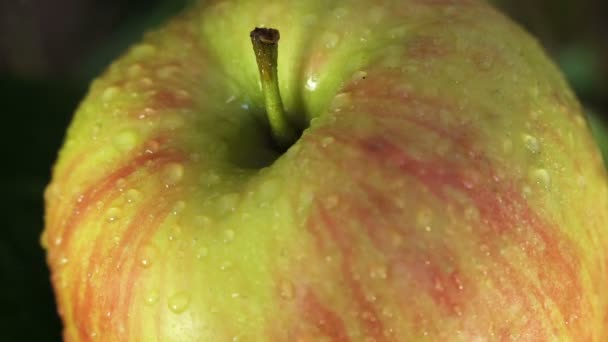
(201, 253)
(146, 82)
(424, 218)
(327, 141)
(532, 143)
(134, 70)
(113, 215)
(287, 289)
(542, 178)
(209, 179)
(178, 207)
(133, 195)
(365, 35)
(63, 261)
(143, 50)
(109, 93)
(228, 203)
(174, 172)
(152, 298)
(359, 76)
(312, 83)
(341, 101)
(179, 302)
(167, 72)
(330, 40)
(125, 140)
(225, 266)
(152, 147)
(378, 272)
(228, 235)
(471, 213)
(146, 255)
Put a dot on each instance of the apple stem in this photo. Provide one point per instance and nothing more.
(265, 45)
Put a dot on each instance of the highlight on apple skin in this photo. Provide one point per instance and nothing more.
(445, 186)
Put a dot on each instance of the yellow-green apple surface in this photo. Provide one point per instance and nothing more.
(445, 186)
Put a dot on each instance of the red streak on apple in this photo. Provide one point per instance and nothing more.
(327, 321)
(105, 262)
(428, 264)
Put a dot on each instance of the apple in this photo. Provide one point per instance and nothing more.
(405, 171)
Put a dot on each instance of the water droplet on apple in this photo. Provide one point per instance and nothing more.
(201, 253)
(541, 177)
(109, 93)
(178, 207)
(330, 40)
(134, 70)
(146, 82)
(471, 213)
(340, 102)
(359, 76)
(175, 232)
(287, 289)
(125, 140)
(226, 266)
(174, 172)
(209, 178)
(146, 255)
(227, 203)
(152, 298)
(228, 235)
(312, 83)
(531, 143)
(133, 195)
(327, 141)
(143, 50)
(179, 302)
(63, 261)
(378, 272)
(113, 215)
(167, 72)
(424, 218)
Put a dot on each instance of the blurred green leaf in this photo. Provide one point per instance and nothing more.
(581, 64)
(600, 132)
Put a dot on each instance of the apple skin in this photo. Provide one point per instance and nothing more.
(447, 188)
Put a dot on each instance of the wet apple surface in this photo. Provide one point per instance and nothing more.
(445, 186)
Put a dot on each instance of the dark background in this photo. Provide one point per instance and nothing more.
(50, 50)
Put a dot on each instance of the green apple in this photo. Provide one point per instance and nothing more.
(434, 179)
